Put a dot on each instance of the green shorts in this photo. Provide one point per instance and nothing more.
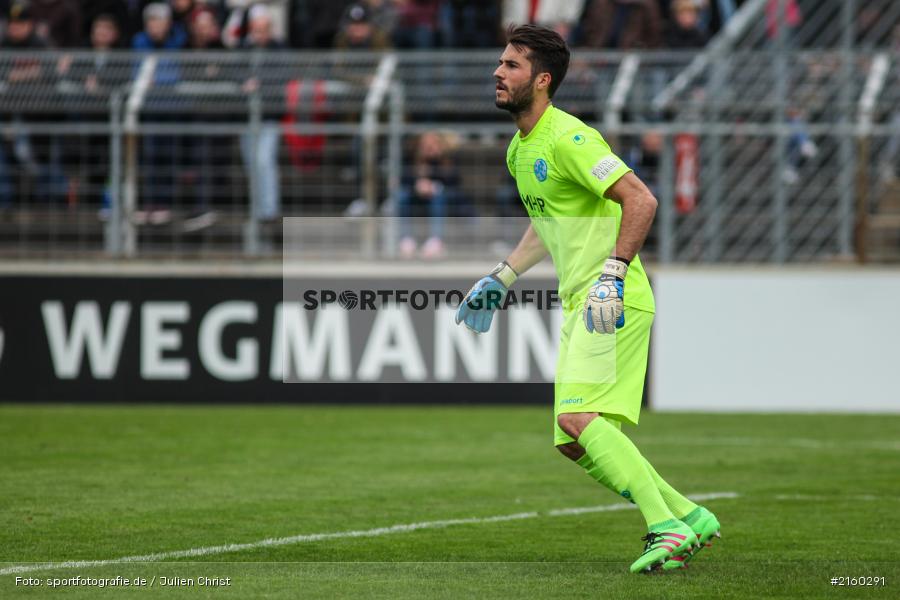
(601, 373)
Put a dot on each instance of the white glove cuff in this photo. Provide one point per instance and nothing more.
(616, 267)
(504, 274)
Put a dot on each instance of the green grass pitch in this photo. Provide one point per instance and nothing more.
(817, 497)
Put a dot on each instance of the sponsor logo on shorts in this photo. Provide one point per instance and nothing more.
(606, 166)
(572, 401)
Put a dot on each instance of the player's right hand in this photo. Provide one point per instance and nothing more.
(477, 309)
(603, 310)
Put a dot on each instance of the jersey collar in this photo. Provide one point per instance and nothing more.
(545, 118)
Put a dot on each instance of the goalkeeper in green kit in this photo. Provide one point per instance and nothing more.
(591, 214)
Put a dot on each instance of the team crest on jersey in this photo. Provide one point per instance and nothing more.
(540, 169)
(578, 139)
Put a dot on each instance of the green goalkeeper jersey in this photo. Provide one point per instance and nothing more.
(562, 170)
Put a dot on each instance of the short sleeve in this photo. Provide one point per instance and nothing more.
(583, 156)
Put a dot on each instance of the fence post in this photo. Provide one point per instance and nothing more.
(374, 99)
(251, 228)
(624, 81)
(112, 233)
(133, 108)
(780, 213)
(394, 168)
(713, 198)
(878, 74)
(847, 192)
(667, 200)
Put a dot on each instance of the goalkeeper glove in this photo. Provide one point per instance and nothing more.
(603, 310)
(487, 295)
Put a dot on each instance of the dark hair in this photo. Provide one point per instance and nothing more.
(106, 17)
(548, 52)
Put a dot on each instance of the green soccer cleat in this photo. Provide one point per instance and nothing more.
(675, 540)
(706, 527)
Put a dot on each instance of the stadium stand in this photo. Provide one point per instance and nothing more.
(768, 144)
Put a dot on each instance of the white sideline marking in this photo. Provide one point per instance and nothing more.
(561, 512)
(316, 537)
(756, 442)
(824, 498)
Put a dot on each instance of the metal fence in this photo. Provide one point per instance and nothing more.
(769, 154)
(820, 24)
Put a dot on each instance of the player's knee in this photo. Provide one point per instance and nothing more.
(572, 450)
(574, 423)
(567, 422)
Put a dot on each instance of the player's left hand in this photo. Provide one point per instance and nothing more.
(603, 310)
(486, 296)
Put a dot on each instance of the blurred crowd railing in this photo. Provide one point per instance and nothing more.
(823, 24)
(760, 156)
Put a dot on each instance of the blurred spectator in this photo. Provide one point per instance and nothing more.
(99, 79)
(159, 152)
(105, 33)
(381, 13)
(238, 22)
(92, 75)
(21, 33)
(560, 15)
(159, 31)
(644, 158)
(58, 22)
(260, 31)
(727, 8)
(712, 15)
(889, 164)
(684, 29)
(778, 10)
(433, 182)
(204, 31)
(704, 15)
(37, 155)
(358, 31)
(315, 23)
(259, 149)
(181, 13)
(207, 155)
(876, 24)
(800, 146)
(417, 24)
(127, 22)
(470, 23)
(622, 24)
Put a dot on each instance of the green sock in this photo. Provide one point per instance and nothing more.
(681, 507)
(625, 469)
(693, 516)
(678, 504)
(596, 473)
